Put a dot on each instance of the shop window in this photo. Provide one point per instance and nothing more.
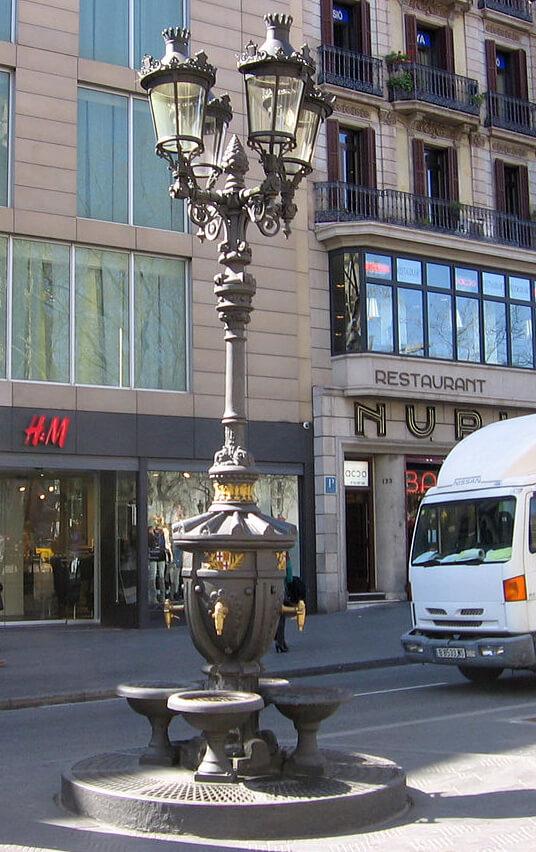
(102, 317)
(105, 34)
(408, 271)
(173, 495)
(467, 329)
(160, 323)
(521, 332)
(378, 266)
(410, 322)
(112, 186)
(3, 304)
(47, 546)
(380, 318)
(41, 311)
(5, 107)
(495, 333)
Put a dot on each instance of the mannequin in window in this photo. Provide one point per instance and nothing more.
(159, 554)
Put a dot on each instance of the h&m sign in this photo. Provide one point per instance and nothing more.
(42, 430)
(466, 420)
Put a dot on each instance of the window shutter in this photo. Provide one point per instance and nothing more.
(332, 141)
(500, 188)
(452, 175)
(419, 168)
(524, 197)
(362, 24)
(446, 49)
(368, 154)
(326, 21)
(410, 28)
(491, 65)
(519, 61)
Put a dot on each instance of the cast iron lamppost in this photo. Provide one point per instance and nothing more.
(234, 583)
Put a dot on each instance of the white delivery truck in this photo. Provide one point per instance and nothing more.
(472, 566)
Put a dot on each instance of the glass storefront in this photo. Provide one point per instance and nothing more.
(172, 495)
(47, 546)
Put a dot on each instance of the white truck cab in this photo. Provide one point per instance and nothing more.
(472, 566)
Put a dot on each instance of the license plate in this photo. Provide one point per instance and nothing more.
(450, 653)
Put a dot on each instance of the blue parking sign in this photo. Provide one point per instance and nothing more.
(330, 485)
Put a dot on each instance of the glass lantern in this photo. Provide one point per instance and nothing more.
(315, 109)
(218, 116)
(178, 87)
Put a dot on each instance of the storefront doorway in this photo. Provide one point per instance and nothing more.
(359, 537)
(421, 474)
(48, 526)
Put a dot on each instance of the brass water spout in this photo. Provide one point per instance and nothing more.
(170, 610)
(299, 611)
(221, 611)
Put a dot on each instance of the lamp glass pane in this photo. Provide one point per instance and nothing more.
(260, 94)
(163, 106)
(305, 141)
(289, 96)
(191, 99)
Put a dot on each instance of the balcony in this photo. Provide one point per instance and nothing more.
(350, 70)
(513, 114)
(411, 85)
(344, 202)
(520, 9)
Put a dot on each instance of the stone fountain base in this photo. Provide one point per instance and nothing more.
(355, 792)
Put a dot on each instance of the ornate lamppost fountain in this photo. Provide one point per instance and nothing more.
(219, 784)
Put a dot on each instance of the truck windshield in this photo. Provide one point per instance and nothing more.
(464, 532)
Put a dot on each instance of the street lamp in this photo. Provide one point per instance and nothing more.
(234, 585)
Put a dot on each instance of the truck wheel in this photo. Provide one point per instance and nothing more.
(479, 674)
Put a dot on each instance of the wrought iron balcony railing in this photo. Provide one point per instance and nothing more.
(409, 81)
(511, 114)
(350, 70)
(344, 202)
(521, 9)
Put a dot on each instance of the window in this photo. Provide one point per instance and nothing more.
(41, 311)
(380, 318)
(343, 27)
(521, 336)
(102, 318)
(160, 323)
(436, 172)
(129, 316)
(6, 20)
(405, 305)
(106, 34)
(5, 108)
(112, 186)
(495, 332)
(467, 329)
(532, 525)
(410, 322)
(440, 326)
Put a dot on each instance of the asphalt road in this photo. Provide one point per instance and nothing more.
(469, 754)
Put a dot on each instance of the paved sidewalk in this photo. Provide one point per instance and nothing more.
(48, 665)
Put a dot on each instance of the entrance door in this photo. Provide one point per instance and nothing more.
(358, 541)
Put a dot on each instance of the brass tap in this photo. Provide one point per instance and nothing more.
(299, 611)
(169, 612)
(221, 611)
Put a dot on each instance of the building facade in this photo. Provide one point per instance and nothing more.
(111, 353)
(422, 225)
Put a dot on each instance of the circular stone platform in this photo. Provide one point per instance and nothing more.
(357, 791)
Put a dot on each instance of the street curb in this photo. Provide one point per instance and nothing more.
(107, 694)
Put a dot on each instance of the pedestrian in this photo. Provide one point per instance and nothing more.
(281, 646)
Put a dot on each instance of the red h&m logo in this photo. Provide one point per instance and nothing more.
(38, 432)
